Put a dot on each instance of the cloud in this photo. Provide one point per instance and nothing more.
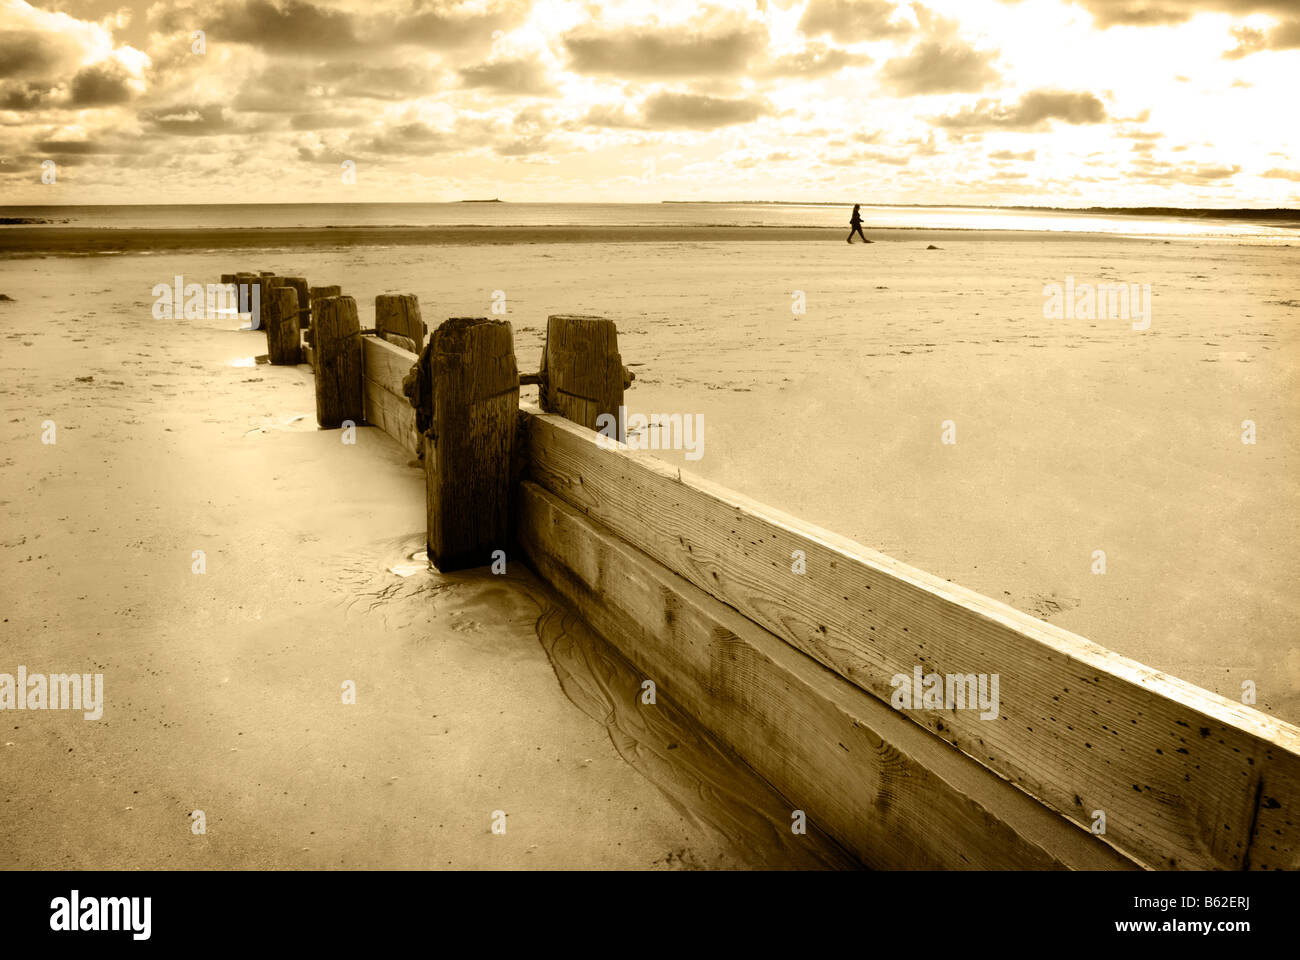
(303, 28)
(507, 76)
(34, 53)
(1285, 36)
(413, 138)
(1150, 13)
(190, 120)
(853, 21)
(1279, 174)
(21, 97)
(292, 26)
(100, 85)
(868, 156)
(701, 112)
(933, 66)
(614, 116)
(326, 120)
(697, 48)
(814, 60)
(1033, 111)
(1009, 155)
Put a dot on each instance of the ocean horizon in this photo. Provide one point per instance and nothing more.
(1256, 226)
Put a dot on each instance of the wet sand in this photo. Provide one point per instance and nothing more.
(30, 241)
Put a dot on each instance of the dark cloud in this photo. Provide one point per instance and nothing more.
(291, 26)
(814, 60)
(30, 53)
(507, 76)
(326, 120)
(1034, 110)
(1010, 155)
(1285, 36)
(450, 26)
(852, 21)
(300, 27)
(22, 97)
(933, 66)
(79, 147)
(101, 85)
(701, 112)
(412, 138)
(692, 49)
(1147, 13)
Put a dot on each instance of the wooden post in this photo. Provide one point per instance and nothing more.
(582, 371)
(245, 285)
(266, 283)
(299, 284)
(338, 361)
(313, 295)
(283, 340)
(467, 458)
(397, 318)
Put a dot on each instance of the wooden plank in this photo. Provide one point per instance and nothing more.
(1180, 773)
(892, 794)
(392, 414)
(385, 363)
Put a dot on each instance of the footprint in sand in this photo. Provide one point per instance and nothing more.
(1045, 607)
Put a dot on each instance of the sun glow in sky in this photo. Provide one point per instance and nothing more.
(1052, 102)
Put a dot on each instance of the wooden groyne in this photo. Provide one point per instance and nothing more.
(787, 641)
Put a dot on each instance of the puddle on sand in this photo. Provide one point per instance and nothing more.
(417, 562)
(250, 361)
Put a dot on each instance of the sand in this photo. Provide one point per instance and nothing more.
(1072, 436)
(224, 690)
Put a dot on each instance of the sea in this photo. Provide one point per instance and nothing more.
(503, 214)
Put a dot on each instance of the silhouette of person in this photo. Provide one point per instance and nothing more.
(855, 225)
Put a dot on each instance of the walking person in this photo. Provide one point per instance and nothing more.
(855, 225)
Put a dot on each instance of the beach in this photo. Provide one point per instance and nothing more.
(827, 377)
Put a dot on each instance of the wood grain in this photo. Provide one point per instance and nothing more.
(1186, 778)
(892, 794)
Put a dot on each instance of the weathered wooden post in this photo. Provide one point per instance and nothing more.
(338, 361)
(582, 373)
(283, 339)
(299, 284)
(248, 296)
(313, 295)
(397, 320)
(266, 283)
(467, 451)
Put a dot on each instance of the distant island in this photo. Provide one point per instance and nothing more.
(493, 200)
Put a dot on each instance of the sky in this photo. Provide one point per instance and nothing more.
(1034, 102)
